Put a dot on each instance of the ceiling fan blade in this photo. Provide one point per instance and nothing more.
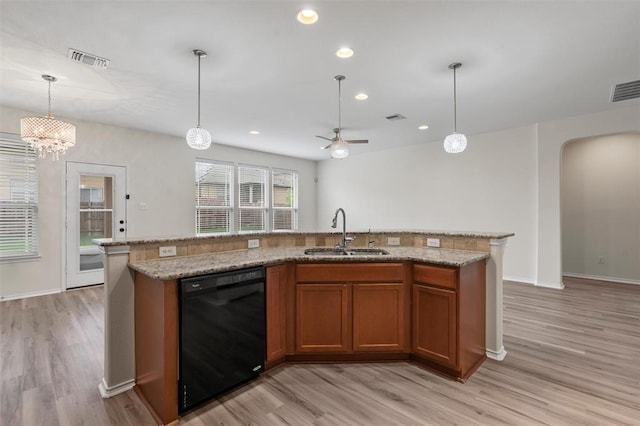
(357, 141)
(328, 146)
(322, 137)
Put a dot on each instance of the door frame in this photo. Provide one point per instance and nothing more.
(64, 240)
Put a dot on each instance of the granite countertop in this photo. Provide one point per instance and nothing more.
(105, 242)
(187, 266)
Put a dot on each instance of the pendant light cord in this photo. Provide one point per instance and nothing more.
(339, 108)
(49, 111)
(199, 58)
(455, 127)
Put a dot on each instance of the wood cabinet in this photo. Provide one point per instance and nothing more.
(343, 308)
(448, 320)
(434, 323)
(323, 318)
(275, 294)
(379, 317)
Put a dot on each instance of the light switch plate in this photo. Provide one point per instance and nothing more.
(433, 242)
(393, 241)
(167, 251)
(254, 243)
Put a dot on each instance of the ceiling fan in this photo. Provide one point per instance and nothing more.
(339, 147)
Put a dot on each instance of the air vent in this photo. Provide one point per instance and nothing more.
(88, 59)
(625, 91)
(395, 117)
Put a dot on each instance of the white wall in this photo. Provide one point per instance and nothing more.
(600, 207)
(160, 172)
(506, 181)
(489, 187)
(552, 135)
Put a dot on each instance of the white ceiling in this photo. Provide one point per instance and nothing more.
(523, 62)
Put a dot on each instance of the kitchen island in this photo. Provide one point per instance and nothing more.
(283, 252)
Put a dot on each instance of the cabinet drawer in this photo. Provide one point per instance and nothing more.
(350, 272)
(440, 276)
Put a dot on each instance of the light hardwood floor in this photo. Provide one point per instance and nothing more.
(574, 358)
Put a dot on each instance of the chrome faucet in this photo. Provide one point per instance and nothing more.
(345, 240)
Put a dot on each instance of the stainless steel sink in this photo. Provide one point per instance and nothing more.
(327, 251)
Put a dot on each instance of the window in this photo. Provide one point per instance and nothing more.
(252, 206)
(263, 200)
(214, 198)
(284, 200)
(18, 198)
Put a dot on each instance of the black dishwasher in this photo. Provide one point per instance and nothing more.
(222, 333)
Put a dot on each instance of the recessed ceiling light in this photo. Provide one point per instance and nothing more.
(254, 132)
(361, 96)
(423, 127)
(344, 52)
(307, 16)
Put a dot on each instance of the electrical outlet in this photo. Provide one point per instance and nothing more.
(167, 251)
(254, 243)
(393, 241)
(433, 242)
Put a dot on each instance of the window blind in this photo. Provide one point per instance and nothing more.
(214, 197)
(18, 198)
(284, 200)
(252, 196)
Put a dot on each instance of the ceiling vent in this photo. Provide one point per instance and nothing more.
(88, 59)
(395, 117)
(625, 91)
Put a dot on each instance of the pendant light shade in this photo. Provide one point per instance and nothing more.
(455, 142)
(46, 134)
(197, 137)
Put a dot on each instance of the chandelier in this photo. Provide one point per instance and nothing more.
(46, 134)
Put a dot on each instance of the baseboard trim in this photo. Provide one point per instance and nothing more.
(555, 286)
(498, 356)
(108, 392)
(519, 280)
(31, 294)
(598, 278)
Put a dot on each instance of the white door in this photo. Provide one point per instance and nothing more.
(96, 208)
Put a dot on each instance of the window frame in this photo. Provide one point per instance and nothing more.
(12, 150)
(229, 208)
(264, 208)
(268, 208)
(294, 204)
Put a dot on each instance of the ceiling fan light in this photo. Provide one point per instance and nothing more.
(339, 150)
(198, 138)
(455, 143)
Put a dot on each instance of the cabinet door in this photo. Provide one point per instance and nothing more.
(379, 322)
(323, 318)
(276, 313)
(434, 324)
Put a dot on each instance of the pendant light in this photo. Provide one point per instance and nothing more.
(339, 148)
(46, 134)
(455, 142)
(197, 137)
